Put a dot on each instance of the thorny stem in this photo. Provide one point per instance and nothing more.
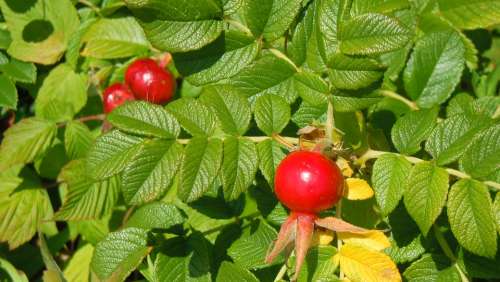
(85, 119)
(398, 97)
(448, 252)
(373, 154)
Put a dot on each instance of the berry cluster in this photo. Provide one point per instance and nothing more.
(144, 80)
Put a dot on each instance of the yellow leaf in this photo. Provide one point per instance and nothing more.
(358, 189)
(322, 237)
(344, 167)
(364, 265)
(374, 239)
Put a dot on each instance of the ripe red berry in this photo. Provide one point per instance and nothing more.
(115, 95)
(150, 82)
(308, 182)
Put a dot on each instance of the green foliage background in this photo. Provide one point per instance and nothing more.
(184, 192)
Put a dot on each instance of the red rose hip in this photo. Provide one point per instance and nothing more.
(115, 95)
(150, 82)
(308, 182)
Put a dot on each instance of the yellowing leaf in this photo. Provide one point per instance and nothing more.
(363, 265)
(323, 237)
(358, 189)
(374, 239)
(344, 167)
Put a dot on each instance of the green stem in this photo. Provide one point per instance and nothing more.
(330, 122)
(239, 26)
(448, 251)
(232, 221)
(91, 6)
(288, 142)
(99, 117)
(281, 273)
(412, 105)
(280, 55)
(373, 154)
(443, 243)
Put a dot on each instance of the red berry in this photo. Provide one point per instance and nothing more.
(150, 82)
(308, 182)
(115, 95)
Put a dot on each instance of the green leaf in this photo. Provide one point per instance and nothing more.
(85, 198)
(471, 14)
(432, 268)
(119, 254)
(62, 95)
(149, 174)
(78, 268)
(19, 71)
(413, 128)
(110, 154)
(229, 272)
(41, 33)
(115, 38)
(77, 140)
(24, 205)
(344, 104)
(407, 243)
(312, 88)
(8, 93)
(249, 250)
(194, 116)
(425, 194)
(372, 34)
(308, 46)
(183, 261)
(449, 140)
(156, 215)
(270, 18)
(471, 217)
(319, 265)
(12, 273)
(389, 177)
(221, 59)
(239, 166)
(143, 118)
(199, 171)
(52, 272)
(352, 72)
(232, 109)
(231, 6)
(175, 30)
(270, 155)
(272, 114)
(481, 157)
(75, 43)
(308, 114)
(360, 7)
(25, 141)
(268, 75)
(434, 68)
(479, 267)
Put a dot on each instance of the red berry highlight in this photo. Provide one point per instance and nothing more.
(308, 182)
(115, 95)
(149, 82)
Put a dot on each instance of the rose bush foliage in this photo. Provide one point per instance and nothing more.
(403, 94)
